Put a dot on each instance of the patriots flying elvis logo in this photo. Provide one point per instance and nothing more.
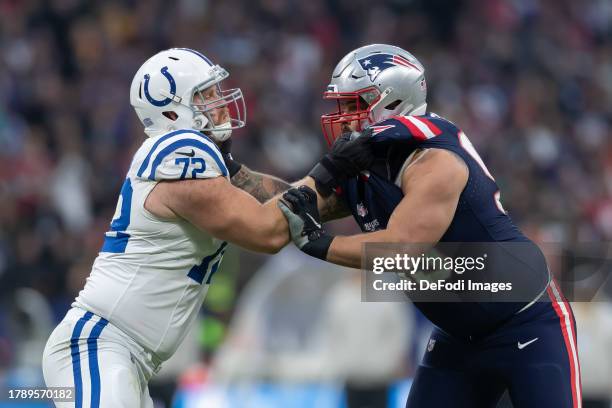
(376, 63)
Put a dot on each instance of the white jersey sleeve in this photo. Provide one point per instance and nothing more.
(183, 154)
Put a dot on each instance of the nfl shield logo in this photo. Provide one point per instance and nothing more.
(431, 344)
(361, 210)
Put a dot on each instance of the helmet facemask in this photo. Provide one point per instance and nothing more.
(205, 107)
(333, 124)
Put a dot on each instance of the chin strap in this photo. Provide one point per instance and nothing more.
(221, 132)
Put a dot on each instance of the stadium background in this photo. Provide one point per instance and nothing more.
(530, 82)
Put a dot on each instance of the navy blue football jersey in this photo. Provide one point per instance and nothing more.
(373, 197)
(479, 217)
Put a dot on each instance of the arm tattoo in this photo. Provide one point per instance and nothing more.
(333, 208)
(261, 186)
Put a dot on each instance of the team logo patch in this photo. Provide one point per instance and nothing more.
(380, 128)
(376, 63)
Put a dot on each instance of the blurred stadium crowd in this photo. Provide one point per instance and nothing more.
(529, 81)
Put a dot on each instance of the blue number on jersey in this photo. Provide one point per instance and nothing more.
(194, 161)
(185, 161)
(201, 169)
(118, 239)
(198, 272)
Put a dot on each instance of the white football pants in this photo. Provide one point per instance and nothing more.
(103, 364)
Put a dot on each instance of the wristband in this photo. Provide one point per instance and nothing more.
(323, 174)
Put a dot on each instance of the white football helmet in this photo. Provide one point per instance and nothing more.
(163, 89)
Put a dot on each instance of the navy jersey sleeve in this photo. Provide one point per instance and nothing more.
(396, 138)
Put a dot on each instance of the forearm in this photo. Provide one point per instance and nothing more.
(277, 230)
(347, 250)
(265, 229)
(228, 213)
(261, 186)
(264, 187)
(436, 188)
(261, 229)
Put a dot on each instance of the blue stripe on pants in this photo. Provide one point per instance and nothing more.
(94, 369)
(76, 361)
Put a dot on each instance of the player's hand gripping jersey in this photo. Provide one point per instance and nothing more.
(479, 216)
(151, 275)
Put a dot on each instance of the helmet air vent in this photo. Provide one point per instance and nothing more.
(170, 115)
(393, 104)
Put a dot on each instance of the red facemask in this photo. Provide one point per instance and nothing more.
(332, 124)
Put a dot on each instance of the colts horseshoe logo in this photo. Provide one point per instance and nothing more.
(163, 102)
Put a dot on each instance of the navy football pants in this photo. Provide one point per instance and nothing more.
(533, 356)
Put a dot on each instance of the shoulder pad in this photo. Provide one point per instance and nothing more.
(182, 154)
(406, 128)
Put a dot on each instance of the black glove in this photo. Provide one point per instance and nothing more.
(226, 151)
(350, 154)
(299, 205)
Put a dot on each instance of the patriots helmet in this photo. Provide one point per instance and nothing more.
(382, 80)
(163, 90)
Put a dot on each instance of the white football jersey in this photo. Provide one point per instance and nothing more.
(151, 276)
